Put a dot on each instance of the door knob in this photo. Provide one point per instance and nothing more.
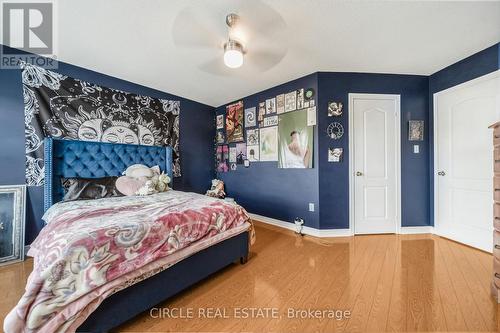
(441, 173)
(358, 173)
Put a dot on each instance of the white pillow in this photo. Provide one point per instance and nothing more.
(141, 170)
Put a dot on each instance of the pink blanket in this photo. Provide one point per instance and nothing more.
(90, 249)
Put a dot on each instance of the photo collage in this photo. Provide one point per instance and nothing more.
(280, 129)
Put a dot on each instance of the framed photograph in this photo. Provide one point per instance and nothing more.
(295, 141)
(12, 214)
(251, 117)
(262, 112)
(416, 130)
(280, 103)
(241, 152)
(291, 101)
(234, 122)
(334, 109)
(300, 99)
(271, 106)
(220, 121)
(220, 137)
(232, 154)
(335, 154)
(253, 153)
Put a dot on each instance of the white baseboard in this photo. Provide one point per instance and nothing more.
(417, 230)
(305, 230)
(333, 232)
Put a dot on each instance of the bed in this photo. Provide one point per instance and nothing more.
(157, 280)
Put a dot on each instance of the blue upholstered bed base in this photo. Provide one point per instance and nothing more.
(85, 159)
(81, 159)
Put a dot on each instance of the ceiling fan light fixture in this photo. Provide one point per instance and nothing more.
(233, 54)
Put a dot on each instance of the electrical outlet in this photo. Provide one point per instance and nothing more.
(311, 207)
(416, 149)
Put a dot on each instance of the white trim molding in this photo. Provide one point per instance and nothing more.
(305, 230)
(333, 232)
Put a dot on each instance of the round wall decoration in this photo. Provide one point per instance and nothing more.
(335, 130)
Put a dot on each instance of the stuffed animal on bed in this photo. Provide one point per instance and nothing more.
(139, 179)
(217, 189)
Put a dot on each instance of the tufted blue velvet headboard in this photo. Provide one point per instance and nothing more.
(84, 159)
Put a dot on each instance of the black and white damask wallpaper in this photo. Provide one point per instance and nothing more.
(62, 107)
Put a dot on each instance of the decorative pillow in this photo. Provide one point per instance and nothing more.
(140, 170)
(89, 188)
(129, 186)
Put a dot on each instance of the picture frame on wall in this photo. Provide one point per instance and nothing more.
(416, 130)
(12, 221)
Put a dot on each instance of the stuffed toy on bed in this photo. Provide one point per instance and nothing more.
(140, 179)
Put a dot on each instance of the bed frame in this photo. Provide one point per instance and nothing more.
(82, 159)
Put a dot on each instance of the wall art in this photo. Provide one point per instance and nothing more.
(280, 103)
(12, 213)
(334, 109)
(234, 122)
(253, 153)
(271, 121)
(253, 137)
(222, 161)
(295, 140)
(246, 163)
(271, 106)
(233, 167)
(220, 137)
(291, 101)
(335, 154)
(250, 117)
(335, 130)
(416, 130)
(241, 152)
(309, 94)
(300, 99)
(220, 121)
(262, 112)
(268, 144)
(232, 154)
(311, 116)
(62, 107)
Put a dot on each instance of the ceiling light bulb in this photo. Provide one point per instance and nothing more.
(233, 54)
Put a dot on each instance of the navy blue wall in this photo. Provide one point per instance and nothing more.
(197, 129)
(472, 67)
(334, 177)
(265, 189)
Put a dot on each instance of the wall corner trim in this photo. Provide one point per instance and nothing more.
(333, 232)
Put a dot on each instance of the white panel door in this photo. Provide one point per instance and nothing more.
(375, 131)
(464, 161)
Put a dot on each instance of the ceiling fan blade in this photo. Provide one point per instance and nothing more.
(216, 67)
(264, 61)
(193, 30)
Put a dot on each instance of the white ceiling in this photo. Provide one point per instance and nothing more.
(134, 40)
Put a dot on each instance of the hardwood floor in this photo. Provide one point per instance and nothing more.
(396, 283)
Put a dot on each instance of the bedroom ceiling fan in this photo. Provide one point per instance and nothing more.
(253, 37)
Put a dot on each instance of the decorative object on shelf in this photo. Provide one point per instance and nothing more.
(291, 101)
(271, 106)
(335, 154)
(253, 153)
(252, 137)
(268, 143)
(234, 122)
(295, 140)
(241, 152)
(12, 213)
(300, 98)
(246, 163)
(233, 166)
(220, 137)
(416, 130)
(309, 94)
(250, 117)
(334, 109)
(220, 121)
(271, 121)
(280, 103)
(335, 130)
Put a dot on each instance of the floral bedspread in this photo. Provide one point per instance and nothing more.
(87, 244)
